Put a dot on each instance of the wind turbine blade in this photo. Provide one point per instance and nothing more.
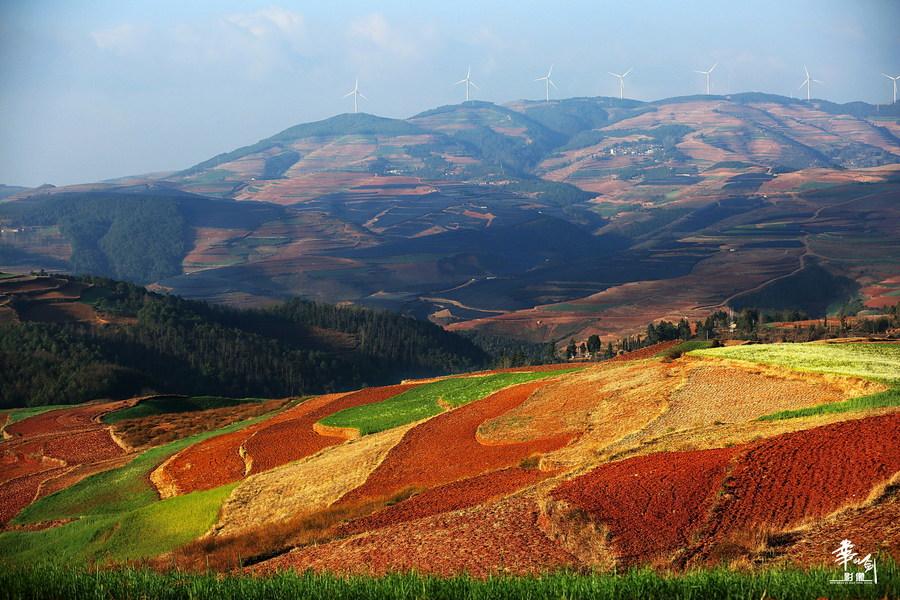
(541, 78)
(550, 72)
(350, 93)
(713, 68)
(552, 84)
(361, 95)
(472, 83)
(468, 72)
(802, 84)
(817, 81)
(613, 74)
(807, 71)
(627, 72)
(460, 81)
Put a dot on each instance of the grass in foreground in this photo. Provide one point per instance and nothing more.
(56, 581)
(878, 361)
(172, 404)
(423, 401)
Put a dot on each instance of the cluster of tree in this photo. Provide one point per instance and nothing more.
(509, 352)
(172, 345)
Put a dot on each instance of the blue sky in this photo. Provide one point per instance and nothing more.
(99, 89)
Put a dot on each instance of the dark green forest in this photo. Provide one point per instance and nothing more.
(167, 344)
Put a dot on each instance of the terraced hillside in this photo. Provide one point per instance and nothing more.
(745, 453)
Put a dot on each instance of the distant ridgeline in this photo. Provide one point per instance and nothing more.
(77, 339)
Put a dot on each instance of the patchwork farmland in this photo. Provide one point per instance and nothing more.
(645, 460)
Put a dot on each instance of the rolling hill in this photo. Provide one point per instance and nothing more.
(537, 220)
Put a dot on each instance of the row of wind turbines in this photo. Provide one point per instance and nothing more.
(548, 83)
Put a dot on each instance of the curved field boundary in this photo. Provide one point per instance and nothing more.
(426, 401)
(498, 537)
(291, 440)
(879, 361)
(18, 493)
(650, 504)
(446, 498)
(782, 481)
(64, 419)
(288, 436)
(445, 449)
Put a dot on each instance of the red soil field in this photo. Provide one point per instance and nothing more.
(499, 536)
(784, 480)
(281, 439)
(64, 419)
(651, 504)
(291, 440)
(444, 448)
(18, 493)
(446, 498)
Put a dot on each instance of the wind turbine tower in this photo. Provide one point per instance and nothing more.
(468, 81)
(356, 96)
(894, 81)
(549, 82)
(621, 81)
(808, 83)
(707, 74)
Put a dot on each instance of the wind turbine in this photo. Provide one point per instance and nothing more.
(548, 81)
(707, 73)
(468, 81)
(808, 83)
(356, 96)
(894, 81)
(621, 81)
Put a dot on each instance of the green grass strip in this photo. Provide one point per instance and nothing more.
(145, 532)
(422, 402)
(118, 490)
(51, 581)
(875, 361)
(883, 399)
(172, 404)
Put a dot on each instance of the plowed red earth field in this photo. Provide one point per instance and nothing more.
(48, 444)
(18, 493)
(499, 536)
(781, 481)
(655, 504)
(444, 448)
(276, 441)
(291, 440)
(453, 496)
(651, 504)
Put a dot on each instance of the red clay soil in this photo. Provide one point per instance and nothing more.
(781, 481)
(501, 536)
(18, 493)
(207, 464)
(650, 504)
(446, 498)
(291, 440)
(648, 352)
(64, 419)
(278, 440)
(444, 448)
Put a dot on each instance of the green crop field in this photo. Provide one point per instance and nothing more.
(117, 514)
(54, 580)
(148, 531)
(423, 401)
(172, 404)
(875, 361)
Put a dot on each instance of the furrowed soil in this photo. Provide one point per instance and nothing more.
(45, 447)
(502, 536)
(782, 481)
(294, 439)
(453, 496)
(445, 449)
(304, 486)
(651, 505)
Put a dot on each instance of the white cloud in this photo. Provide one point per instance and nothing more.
(119, 38)
(268, 22)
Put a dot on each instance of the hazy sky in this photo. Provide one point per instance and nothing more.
(98, 89)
